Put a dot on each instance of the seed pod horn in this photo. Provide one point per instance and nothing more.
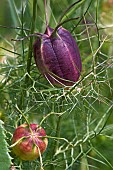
(57, 57)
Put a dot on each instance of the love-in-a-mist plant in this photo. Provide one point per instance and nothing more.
(75, 121)
(57, 57)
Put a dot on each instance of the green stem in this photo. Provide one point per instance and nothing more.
(12, 27)
(24, 118)
(98, 33)
(82, 16)
(71, 6)
(58, 127)
(46, 15)
(23, 93)
(23, 115)
(31, 38)
(60, 24)
(78, 3)
(22, 19)
(56, 143)
(57, 135)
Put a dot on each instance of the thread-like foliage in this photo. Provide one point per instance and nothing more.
(5, 159)
(78, 120)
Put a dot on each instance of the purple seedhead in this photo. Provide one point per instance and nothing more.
(57, 57)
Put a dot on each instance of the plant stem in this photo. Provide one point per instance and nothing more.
(82, 17)
(58, 127)
(23, 93)
(23, 115)
(67, 9)
(60, 24)
(46, 15)
(31, 39)
(58, 133)
(22, 19)
(29, 56)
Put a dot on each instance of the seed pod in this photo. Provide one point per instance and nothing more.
(57, 57)
(29, 142)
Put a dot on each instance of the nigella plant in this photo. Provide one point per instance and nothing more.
(57, 56)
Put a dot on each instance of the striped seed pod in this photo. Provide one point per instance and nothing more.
(57, 57)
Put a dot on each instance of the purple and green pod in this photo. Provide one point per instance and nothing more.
(57, 57)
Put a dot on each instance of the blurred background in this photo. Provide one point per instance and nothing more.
(87, 110)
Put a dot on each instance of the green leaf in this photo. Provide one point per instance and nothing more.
(5, 159)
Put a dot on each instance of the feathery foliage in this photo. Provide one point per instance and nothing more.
(79, 120)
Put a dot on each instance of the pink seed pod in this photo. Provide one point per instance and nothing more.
(29, 142)
(57, 57)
